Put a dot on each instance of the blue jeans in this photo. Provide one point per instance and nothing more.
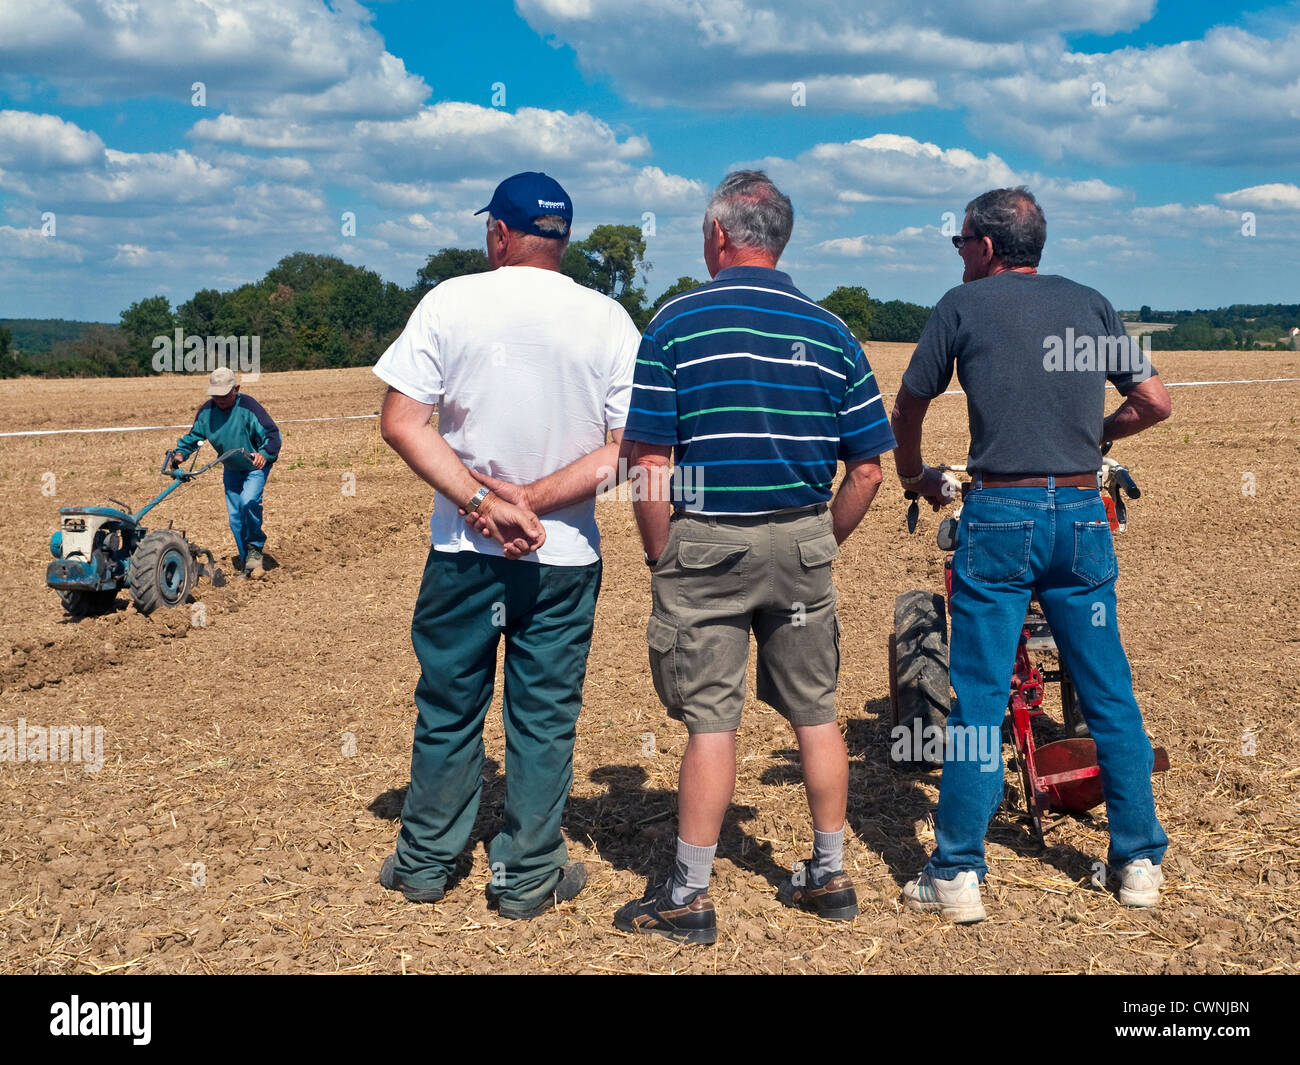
(244, 506)
(1012, 542)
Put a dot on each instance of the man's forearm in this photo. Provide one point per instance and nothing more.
(1142, 408)
(432, 459)
(851, 502)
(906, 421)
(578, 481)
(652, 504)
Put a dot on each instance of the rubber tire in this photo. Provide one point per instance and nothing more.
(148, 574)
(78, 603)
(920, 664)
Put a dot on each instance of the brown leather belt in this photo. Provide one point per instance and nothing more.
(1069, 480)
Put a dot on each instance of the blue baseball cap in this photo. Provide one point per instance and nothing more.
(521, 198)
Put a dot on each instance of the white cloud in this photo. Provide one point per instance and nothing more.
(271, 56)
(31, 244)
(885, 168)
(725, 52)
(906, 241)
(1229, 98)
(865, 93)
(31, 141)
(1273, 197)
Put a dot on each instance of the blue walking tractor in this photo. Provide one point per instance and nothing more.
(99, 551)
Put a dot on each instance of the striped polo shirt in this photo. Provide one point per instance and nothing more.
(760, 391)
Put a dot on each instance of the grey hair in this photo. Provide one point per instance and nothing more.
(1012, 219)
(752, 211)
(549, 223)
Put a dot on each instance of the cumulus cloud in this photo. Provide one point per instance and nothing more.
(1229, 98)
(877, 56)
(45, 142)
(1272, 197)
(275, 57)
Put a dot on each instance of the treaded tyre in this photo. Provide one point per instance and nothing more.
(161, 571)
(83, 604)
(918, 666)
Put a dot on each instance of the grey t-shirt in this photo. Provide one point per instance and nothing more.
(1033, 353)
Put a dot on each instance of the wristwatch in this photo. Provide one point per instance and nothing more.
(476, 502)
(912, 482)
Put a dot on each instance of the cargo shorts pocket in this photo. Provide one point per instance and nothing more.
(1094, 552)
(713, 572)
(997, 551)
(662, 640)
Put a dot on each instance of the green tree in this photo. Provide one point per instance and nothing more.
(303, 270)
(198, 315)
(900, 322)
(1144, 315)
(449, 262)
(141, 322)
(11, 364)
(854, 305)
(609, 261)
(682, 284)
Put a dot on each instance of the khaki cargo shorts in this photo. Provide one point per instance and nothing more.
(717, 580)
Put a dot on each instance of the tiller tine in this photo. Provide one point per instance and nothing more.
(1068, 774)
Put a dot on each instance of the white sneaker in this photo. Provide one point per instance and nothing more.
(957, 899)
(1140, 883)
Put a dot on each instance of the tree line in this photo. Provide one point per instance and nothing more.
(1242, 326)
(317, 311)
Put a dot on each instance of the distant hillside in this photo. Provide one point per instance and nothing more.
(36, 336)
(1241, 326)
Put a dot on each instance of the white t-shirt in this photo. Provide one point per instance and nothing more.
(528, 370)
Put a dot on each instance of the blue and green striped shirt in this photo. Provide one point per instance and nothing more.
(760, 391)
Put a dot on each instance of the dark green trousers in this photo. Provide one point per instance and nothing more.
(468, 602)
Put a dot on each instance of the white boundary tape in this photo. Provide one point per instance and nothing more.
(145, 428)
(359, 417)
(1168, 384)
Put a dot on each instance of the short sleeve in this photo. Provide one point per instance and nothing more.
(1128, 362)
(413, 362)
(863, 425)
(652, 417)
(930, 370)
(618, 398)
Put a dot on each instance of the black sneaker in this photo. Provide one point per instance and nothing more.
(573, 878)
(834, 898)
(694, 921)
(389, 879)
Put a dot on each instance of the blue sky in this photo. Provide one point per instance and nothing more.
(1162, 139)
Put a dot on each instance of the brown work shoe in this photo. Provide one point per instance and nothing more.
(834, 898)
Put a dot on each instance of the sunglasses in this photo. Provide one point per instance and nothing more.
(957, 242)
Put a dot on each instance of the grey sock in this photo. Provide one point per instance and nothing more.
(693, 868)
(828, 854)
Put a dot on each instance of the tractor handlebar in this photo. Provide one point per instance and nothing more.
(187, 475)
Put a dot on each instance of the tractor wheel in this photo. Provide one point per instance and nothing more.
(1075, 726)
(919, 676)
(82, 604)
(161, 572)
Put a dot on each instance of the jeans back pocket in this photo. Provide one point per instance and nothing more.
(1094, 552)
(997, 551)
